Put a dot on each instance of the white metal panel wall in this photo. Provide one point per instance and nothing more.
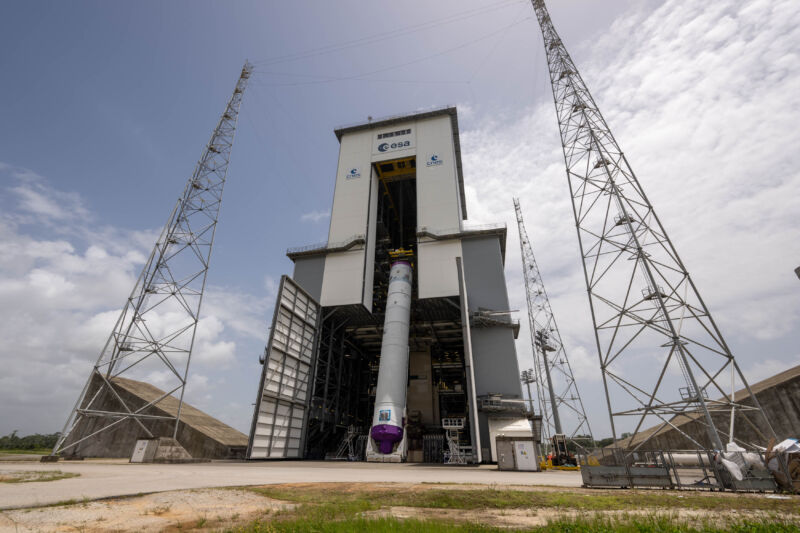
(351, 195)
(280, 412)
(438, 200)
(438, 207)
(343, 278)
(436, 267)
(395, 146)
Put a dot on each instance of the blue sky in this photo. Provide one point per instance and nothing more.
(106, 106)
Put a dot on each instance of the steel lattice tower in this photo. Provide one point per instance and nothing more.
(661, 353)
(155, 332)
(555, 382)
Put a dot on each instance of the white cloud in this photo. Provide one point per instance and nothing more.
(315, 216)
(704, 97)
(61, 297)
(760, 370)
(36, 198)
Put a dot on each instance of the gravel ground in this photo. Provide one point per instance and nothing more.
(201, 509)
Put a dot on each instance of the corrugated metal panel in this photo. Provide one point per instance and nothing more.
(279, 417)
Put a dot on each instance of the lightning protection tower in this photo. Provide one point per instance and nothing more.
(155, 333)
(662, 355)
(555, 383)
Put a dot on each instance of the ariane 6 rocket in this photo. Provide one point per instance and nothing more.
(390, 396)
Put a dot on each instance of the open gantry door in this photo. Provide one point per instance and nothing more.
(280, 415)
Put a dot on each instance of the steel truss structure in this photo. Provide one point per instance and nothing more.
(555, 382)
(155, 332)
(661, 353)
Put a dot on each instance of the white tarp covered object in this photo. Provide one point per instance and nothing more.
(789, 452)
(787, 446)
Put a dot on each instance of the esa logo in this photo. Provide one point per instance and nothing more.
(433, 161)
(353, 174)
(385, 147)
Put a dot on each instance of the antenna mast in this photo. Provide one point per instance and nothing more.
(661, 353)
(555, 383)
(155, 332)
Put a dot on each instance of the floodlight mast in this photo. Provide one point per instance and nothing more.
(553, 371)
(156, 330)
(625, 250)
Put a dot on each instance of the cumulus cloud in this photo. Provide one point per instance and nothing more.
(315, 216)
(36, 199)
(61, 297)
(704, 98)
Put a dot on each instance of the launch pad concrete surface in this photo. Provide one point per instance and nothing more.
(112, 478)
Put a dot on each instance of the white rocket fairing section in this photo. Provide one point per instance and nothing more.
(390, 397)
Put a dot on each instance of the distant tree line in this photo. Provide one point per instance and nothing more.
(29, 442)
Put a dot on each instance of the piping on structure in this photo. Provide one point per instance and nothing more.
(388, 421)
(661, 353)
(552, 369)
(155, 331)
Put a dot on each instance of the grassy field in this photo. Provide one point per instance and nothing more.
(407, 507)
(353, 508)
(494, 498)
(594, 525)
(35, 451)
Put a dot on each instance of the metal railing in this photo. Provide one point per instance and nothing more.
(327, 246)
(451, 233)
(675, 469)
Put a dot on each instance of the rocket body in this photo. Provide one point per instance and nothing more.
(390, 395)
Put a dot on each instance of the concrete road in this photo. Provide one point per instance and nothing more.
(106, 478)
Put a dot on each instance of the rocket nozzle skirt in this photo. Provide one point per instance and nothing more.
(390, 395)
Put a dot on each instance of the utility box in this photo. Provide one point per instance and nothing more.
(517, 453)
(505, 454)
(525, 456)
(516, 427)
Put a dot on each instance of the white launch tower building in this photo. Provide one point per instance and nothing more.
(400, 320)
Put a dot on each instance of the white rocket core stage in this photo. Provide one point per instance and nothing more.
(388, 420)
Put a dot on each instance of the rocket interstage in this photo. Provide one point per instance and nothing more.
(390, 395)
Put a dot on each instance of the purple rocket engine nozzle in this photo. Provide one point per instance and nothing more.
(386, 435)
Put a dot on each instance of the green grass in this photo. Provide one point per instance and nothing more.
(342, 508)
(32, 476)
(362, 525)
(661, 525)
(35, 451)
(581, 525)
(517, 499)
